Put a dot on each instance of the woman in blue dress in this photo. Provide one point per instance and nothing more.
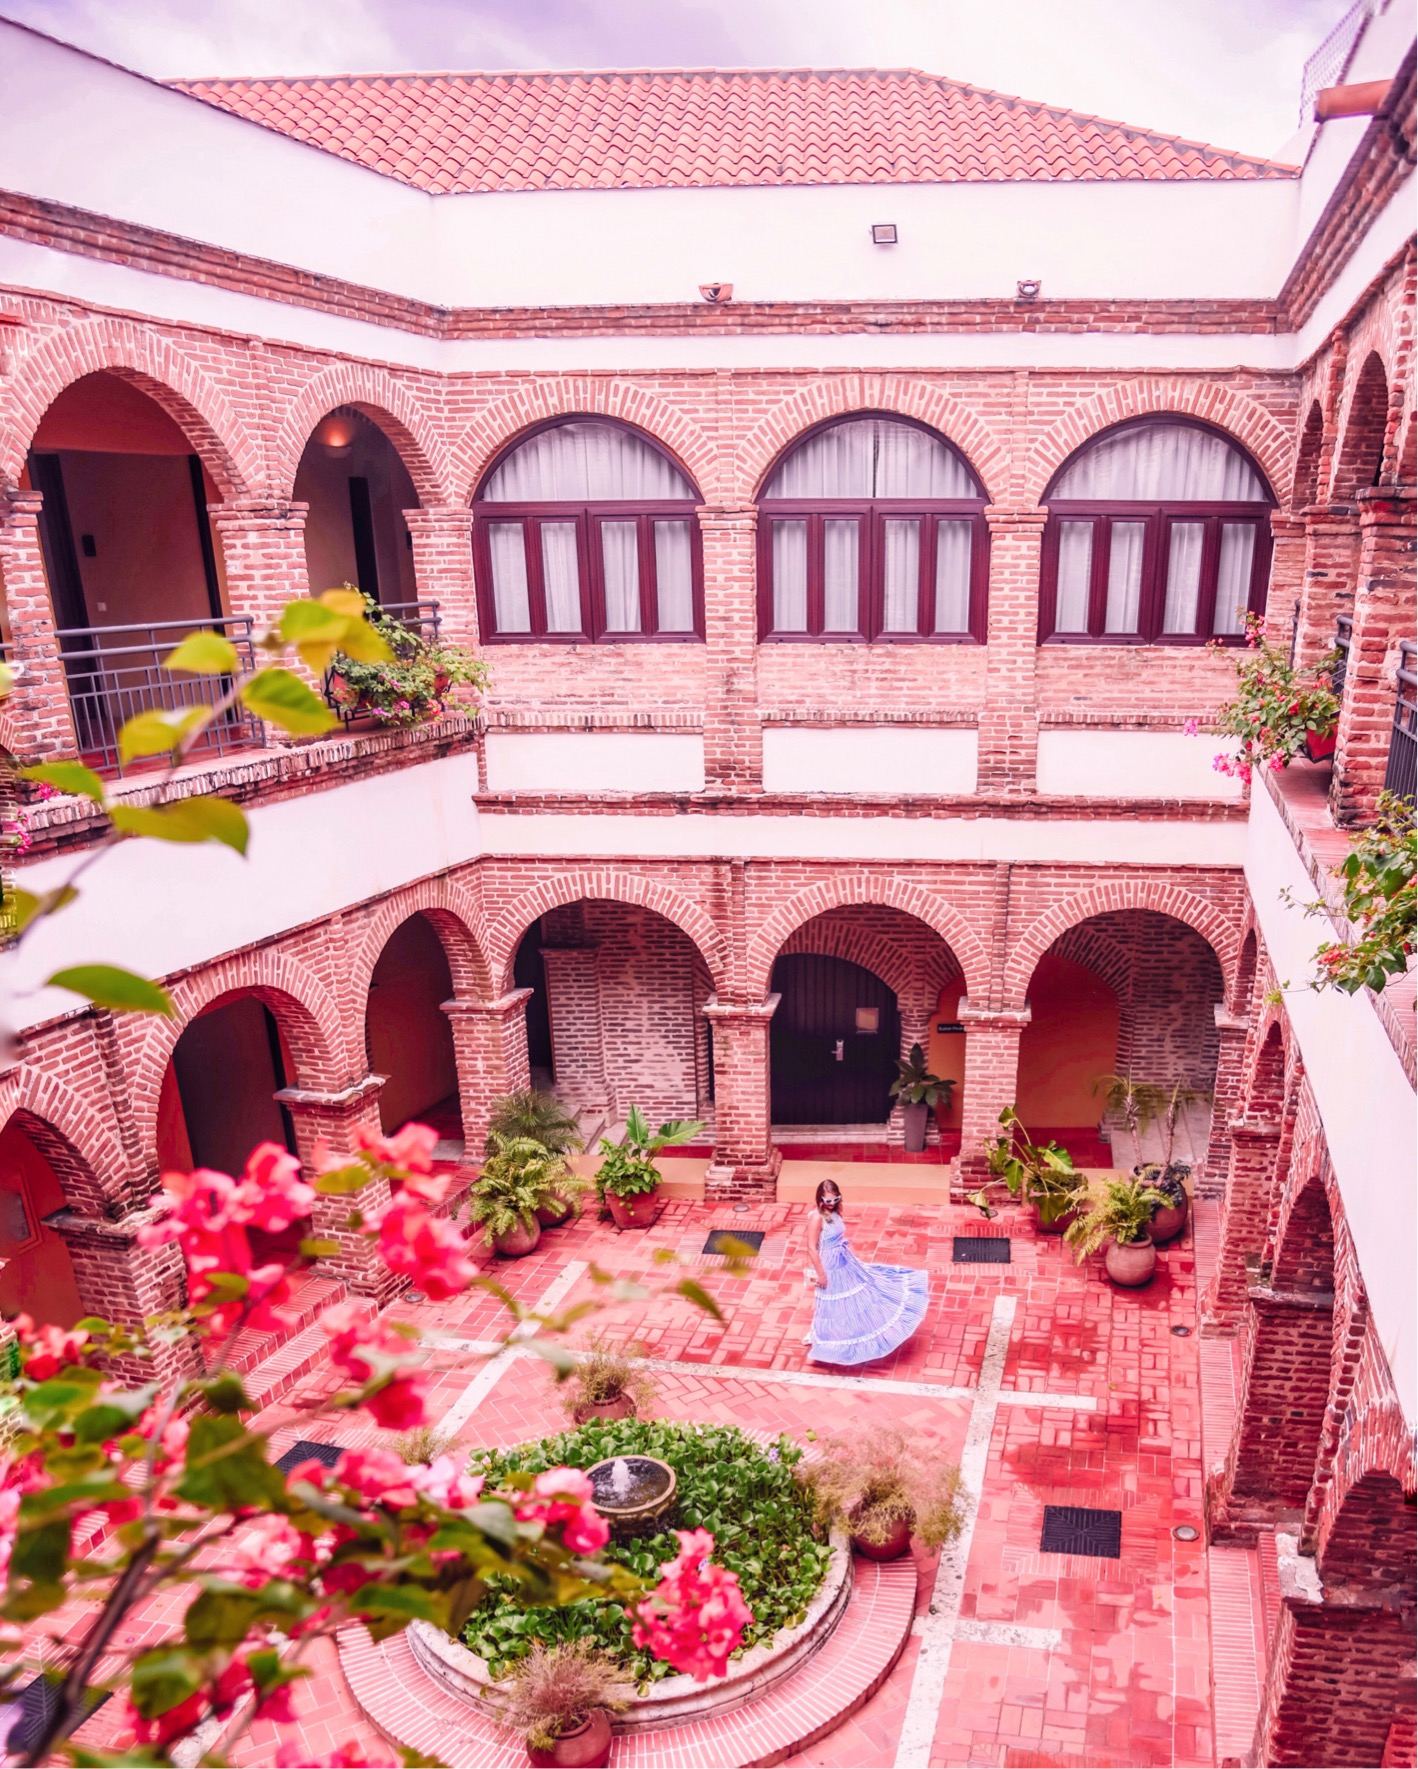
(861, 1311)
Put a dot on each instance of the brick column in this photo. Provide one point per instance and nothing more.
(733, 734)
(1331, 567)
(574, 1008)
(263, 548)
(1383, 614)
(37, 721)
(443, 566)
(1255, 1144)
(1225, 1101)
(1287, 570)
(490, 1049)
(330, 1119)
(745, 1163)
(124, 1283)
(1009, 725)
(991, 1080)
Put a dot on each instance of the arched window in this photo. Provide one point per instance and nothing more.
(586, 531)
(873, 529)
(1159, 533)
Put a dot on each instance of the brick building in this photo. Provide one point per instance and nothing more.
(843, 630)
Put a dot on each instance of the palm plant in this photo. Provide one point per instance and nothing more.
(541, 1116)
(1041, 1174)
(1142, 1103)
(628, 1167)
(1123, 1214)
(517, 1178)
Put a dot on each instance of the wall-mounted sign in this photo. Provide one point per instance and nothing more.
(950, 1026)
(868, 1019)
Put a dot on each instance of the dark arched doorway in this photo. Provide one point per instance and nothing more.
(833, 1042)
(408, 1036)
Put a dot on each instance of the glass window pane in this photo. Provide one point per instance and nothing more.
(512, 611)
(584, 463)
(901, 572)
(1075, 577)
(1124, 577)
(620, 557)
(674, 577)
(561, 577)
(790, 577)
(952, 576)
(1162, 463)
(1233, 577)
(841, 564)
(1185, 540)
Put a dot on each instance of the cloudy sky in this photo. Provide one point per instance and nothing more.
(1224, 71)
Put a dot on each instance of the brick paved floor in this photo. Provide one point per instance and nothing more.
(1054, 1659)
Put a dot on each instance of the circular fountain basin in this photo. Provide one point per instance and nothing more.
(635, 1494)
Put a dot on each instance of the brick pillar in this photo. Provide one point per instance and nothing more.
(37, 722)
(1255, 1144)
(124, 1283)
(577, 1040)
(330, 1118)
(1383, 614)
(443, 566)
(1225, 1101)
(1287, 571)
(745, 1162)
(1009, 725)
(733, 734)
(263, 547)
(1327, 588)
(991, 1080)
(490, 1049)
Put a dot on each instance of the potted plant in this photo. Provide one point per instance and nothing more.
(531, 1115)
(1142, 1103)
(920, 1093)
(1377, 883)
(627, 1180)
(1121, 1217)
(1039, 1174)
(606, 1384)
(883, 1488)
(560, 1699)
(1278, 711)
(517, 1179)
(414, 684)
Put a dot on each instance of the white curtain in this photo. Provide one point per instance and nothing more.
(1183, 576)
(902, 565)
(674, 577)
(511, 607)
(841, 560)
(585, 463)
(1075, 577)
(1124, 577)
(952, 576)
(872, 458)
(790, 577)
(621, 568)
(1159, 464)
(1233, 577)
(561, 577)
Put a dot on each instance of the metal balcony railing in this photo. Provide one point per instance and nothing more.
(1401, 775)
(1343, 638)
(420, 619)
(115, 672)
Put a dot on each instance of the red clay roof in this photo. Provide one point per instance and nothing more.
(641, 128)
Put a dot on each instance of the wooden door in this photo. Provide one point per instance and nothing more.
(833, 1042)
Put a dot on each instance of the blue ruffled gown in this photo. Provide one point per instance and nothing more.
(866, 1311)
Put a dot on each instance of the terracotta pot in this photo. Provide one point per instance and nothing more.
(555, 1211)
(519, 1242)
(895, 1545)
(913, 1119)
(587, 1746)
(1131, 1264)
(1317, 748)
(622, 1407)
(1168, 1221)
(1057, 1226)
(637, 1212)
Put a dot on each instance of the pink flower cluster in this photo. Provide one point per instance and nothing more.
(368, 1349)
(695, 1617)
(563, 1496)
(48, 1348)
(428, 1250)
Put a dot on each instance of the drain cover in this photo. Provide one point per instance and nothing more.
(1180, 1332)
(303, 1450)
(747, 1237)
(1075, 1529)
(1186, 1532)
(982, 1250)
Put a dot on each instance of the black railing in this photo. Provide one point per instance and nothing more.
(115, 672)
(1401, 775)
(421, 619)
(1343, 638)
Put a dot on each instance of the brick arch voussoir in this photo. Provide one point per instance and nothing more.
(391, 405)
(230, 452)
(1262, 1074)
(74, 1135)
(1309, 458)
(877, 953)
(1245, 420)
(457, 924)
(844, 891)
(540, 401)
(831, 396)
(1377, 1448)
(1106, 898)
(631, 888)
(1365, 426)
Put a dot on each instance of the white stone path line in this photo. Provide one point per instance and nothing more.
(488, 1377)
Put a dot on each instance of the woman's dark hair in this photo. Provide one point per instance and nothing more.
(828, 1188)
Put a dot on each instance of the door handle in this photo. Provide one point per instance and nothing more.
(839, 1050)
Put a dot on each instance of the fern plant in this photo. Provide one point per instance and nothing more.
(529, 1112)
(1123, 1214)
(517, 1178)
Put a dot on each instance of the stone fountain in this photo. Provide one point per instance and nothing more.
(635, 1494)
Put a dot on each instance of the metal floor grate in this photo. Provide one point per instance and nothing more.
(304, 1450)
(1076, 1529)
(982, 1250)
(749, 1237)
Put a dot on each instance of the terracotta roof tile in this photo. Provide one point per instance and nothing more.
(681, 129)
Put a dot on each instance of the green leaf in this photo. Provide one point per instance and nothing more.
(204, 654)
(155, 731)
(226, 1394)
(561, 1360)
(314, 630)
(699, 1296)
(189, 820)
(226, 1467)
(164, 1677)
(276, 695)
(67, 777)
(340, 1181)
(220, 1618)
(318, 1249)
(108, 986)
(20, 909)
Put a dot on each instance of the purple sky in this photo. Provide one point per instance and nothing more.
(1225, 71)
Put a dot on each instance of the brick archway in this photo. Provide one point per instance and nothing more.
(1360, 460)
(388, 404)
(1305, 487)
(454, 920)
(874, 950)
(75, 1137)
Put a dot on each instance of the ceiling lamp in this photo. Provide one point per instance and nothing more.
(336, 434)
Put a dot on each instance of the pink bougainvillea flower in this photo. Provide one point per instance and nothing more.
(378, 1475)
(266, 1549)
(410, 1148)
(444, 1481)
(48, 1349)
(427, 1250)
(562, 1496)
(1192, 727)
(272, 1195)
(401, 1403)
(695, 1617)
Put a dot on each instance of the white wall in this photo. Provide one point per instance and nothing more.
(594, 761)
(1133, 764)
(866, 759)
(1364, 1097)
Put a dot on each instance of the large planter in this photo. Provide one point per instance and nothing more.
(1318, 748)
(895, 1545)
(519, 1241)
(587, 1746)
(555, 1211)
(634, 1212)
(622, 1407)
(1131, 1264)
(914, 1119)
(1057, 1226)
(1168, 1221)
